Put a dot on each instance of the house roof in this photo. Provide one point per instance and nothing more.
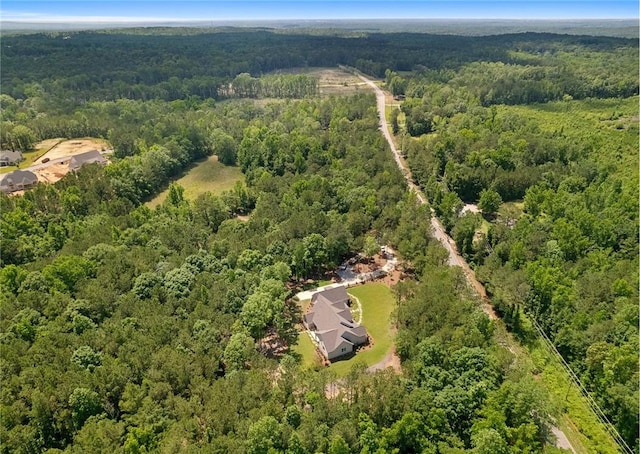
(10, 156)
(89, 157)
(332, 318)
(332, 295)
(18, 177)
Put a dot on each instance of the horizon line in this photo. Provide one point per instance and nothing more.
(129, 19)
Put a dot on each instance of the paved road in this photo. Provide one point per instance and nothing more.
(438, 232)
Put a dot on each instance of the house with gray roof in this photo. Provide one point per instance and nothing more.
(89, 157)
(10, 158)
(17, 181)
(331, 324)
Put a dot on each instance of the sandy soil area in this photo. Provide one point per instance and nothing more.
(331, 81)
(335, 81)
(377, 262)
(72, 147)
(52, 173)
(48, 144)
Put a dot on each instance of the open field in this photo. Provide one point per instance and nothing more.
(332, 81)
(206, 176)
(72, 147)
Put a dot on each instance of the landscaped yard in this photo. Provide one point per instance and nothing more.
(209, 175)
(377, 305)
(307, 350)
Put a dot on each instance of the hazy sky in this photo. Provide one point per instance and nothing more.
(213, 10)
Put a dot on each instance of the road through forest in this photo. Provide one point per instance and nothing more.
(455, 259)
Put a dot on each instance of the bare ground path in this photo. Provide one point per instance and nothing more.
(391, 359)
(455, 259)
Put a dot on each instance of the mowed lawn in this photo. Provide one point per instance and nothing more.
(378, 304)
(206, 176)
(307, 351)
(305, 347)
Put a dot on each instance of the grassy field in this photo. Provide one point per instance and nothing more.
(570, 409)
(307, 351)
(305, 347)
(206, 176)
(576, 419)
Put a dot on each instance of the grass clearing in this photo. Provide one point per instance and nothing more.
(331, 81)
(307, 351)
(571, 410)
(511, 210)
(206, 176)
(305, 347)
(577, 420)
(378, 304)
(484, 227)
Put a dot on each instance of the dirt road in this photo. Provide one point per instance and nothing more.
(438, 232)
(455, 259)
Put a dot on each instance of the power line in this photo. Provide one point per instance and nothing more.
(622, 444)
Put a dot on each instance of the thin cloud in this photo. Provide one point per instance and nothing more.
(45, 18)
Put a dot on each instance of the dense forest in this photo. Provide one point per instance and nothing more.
(557, 184)
(77, 67)
(128, 329)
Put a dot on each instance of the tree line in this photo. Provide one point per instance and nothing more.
(511, 68)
